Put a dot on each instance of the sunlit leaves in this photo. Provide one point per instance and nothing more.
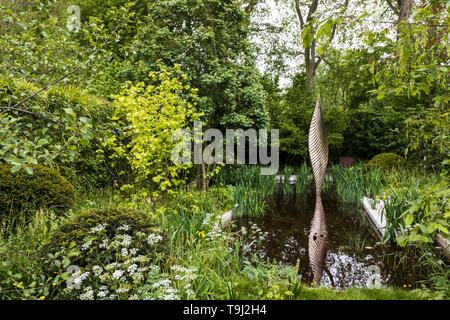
(145, 118)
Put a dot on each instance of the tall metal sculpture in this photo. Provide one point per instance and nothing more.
(318, 152)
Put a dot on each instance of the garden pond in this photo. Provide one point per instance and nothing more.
(352, 252)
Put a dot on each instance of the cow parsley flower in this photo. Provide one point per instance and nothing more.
(123, 227)
(117, 274)
(153, 239)
(98, 228)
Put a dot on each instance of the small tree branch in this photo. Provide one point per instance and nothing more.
(299, 14)
(393, 8)
(312, 9)
(40, 115)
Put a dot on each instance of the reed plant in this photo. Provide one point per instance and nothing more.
(304, 179)
(284, 187)
(353, 183)
(396, 204)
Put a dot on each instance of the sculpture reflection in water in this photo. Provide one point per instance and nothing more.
(318, 236)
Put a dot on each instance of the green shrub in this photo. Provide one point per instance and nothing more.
(84, 232)
(45, 188)
(387, 161)
(78, 116)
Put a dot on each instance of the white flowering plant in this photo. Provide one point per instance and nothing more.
(116, 250)
(174, 286)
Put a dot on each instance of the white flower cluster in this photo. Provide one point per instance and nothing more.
(218, 235)
(98, 228)
(153, 239)
(122, 278)
(209, 219)
(253, 236)
(160, 290)
(123, 227)
(184, 274)
(184, 277)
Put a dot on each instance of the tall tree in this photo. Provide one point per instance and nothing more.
(402, 8)
(312, 33)
(209, 40)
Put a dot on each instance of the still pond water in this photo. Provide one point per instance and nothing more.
(352, 247)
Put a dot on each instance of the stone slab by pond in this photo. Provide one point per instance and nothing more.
(293, 178)
(444, 244)
(375, 212)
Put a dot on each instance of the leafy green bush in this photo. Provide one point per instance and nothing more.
(84, 228)
(387, 161)
(113, 250)
(62, 127)
(45, 188)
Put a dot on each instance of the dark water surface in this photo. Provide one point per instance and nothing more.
(352, 247)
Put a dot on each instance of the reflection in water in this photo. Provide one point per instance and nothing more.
(288, 225)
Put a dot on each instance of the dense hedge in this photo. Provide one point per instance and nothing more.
(45, 188)
(387, 161)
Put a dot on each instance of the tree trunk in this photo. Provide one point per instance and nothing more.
(405, 8)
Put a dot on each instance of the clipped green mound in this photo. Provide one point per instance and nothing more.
(45, 188)
(387, 161)
(100, 235)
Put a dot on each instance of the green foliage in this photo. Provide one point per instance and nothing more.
(22, 271)
(343, 81)
(70, 143)
(38, 44)
(416, 206)
(387, 161)
(376, 128)
(209, 39)
(417, 65)
(292, 116)
(85, 232)
(426, 213)
(146, 117)
(50, 126)
(437, 286)
(217, 199)
(38, 187)
(32, 282)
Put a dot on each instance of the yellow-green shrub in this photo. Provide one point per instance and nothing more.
(146, 117)
(45, 188)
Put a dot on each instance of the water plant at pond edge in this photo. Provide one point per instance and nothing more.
(303, 180)
(353, 183)
(394, 207)
(284, 186)
(417, 213)
(360, 235)
(254, 191)
(218, 260)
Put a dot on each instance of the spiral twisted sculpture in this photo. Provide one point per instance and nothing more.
(318, 152)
